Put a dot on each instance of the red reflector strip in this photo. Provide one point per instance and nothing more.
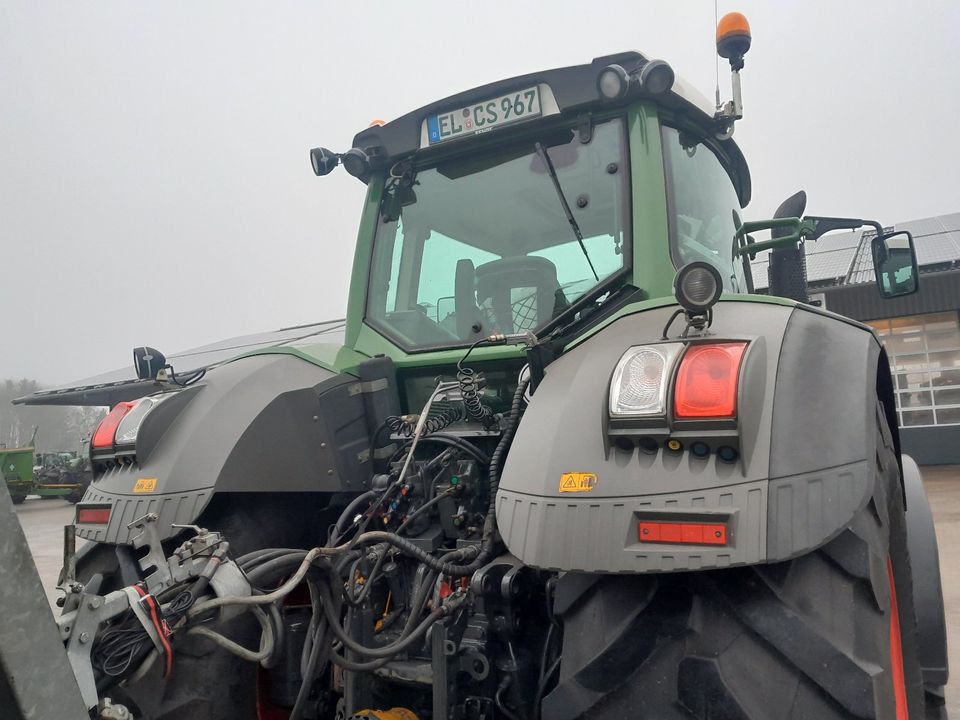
(103, 435)
(93, 516)
(682, 533)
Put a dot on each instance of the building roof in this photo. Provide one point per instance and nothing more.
(844, 258)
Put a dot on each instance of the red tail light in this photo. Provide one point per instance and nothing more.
(103, 436)
(93, 515)
(707, 381)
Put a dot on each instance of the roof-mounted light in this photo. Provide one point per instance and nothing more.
(356, 162)
(613, 83)
(733, 36)
(323, 161)
(657, 77)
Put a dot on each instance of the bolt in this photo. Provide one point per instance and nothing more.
(94, 603)
(330, 472)
(323, 444)
(84, 637)
(316, 417)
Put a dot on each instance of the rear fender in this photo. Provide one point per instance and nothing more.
(807, 432)
(265, 423)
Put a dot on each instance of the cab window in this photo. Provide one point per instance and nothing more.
(703, 207)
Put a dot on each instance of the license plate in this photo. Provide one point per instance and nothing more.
(484, 116)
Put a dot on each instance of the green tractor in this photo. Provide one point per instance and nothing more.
(47, 475)
(563, 464)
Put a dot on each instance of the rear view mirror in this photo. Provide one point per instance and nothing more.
(895, 264)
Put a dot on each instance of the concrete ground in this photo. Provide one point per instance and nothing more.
(43, 522)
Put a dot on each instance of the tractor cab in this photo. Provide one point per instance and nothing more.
(544, 203)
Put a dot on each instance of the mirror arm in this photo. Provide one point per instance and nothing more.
(753, 248)
(809, 228)
(816, 227)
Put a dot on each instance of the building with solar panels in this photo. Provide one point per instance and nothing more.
(920, 332)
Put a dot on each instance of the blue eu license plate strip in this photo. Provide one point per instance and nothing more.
(485, 116)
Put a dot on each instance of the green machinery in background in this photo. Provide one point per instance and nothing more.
(18, 473)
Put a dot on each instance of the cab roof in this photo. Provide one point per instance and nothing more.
(575, 90)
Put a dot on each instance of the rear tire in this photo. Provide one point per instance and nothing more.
(17, 499)
(812, 637)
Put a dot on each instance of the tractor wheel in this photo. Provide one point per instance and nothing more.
(208, 683)
(17, 499)
(831, 634)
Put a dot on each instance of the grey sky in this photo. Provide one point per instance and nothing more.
(154, 179)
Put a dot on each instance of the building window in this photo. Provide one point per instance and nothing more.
(924, 352)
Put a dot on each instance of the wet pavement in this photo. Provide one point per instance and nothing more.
(43, 522)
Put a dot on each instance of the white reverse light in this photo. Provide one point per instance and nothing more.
(129, 427)
(639, 385)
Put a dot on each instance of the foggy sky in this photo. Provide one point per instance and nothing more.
(155, 185)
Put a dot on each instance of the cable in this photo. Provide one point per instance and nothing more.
(387, 651)
(512, 422)
(404, 426)
(278, 594)
(423, 508)
(348, 515)
(266, 639)
(454, 442)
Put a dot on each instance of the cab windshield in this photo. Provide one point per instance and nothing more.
(482, 244)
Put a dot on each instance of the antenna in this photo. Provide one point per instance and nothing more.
(716, 58)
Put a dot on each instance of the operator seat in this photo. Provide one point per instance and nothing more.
(516, 294)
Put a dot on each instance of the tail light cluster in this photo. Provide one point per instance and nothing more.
(118, 431)
(677, 385)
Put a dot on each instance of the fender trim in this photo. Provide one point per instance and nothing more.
(927, 590)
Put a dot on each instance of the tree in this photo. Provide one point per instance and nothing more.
(60, 428)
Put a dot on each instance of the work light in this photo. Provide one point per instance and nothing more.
(697, 287)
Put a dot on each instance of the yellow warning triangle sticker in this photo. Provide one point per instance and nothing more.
(577, 482)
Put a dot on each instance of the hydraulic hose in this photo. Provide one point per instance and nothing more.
(266, 639)
(387, 651)
(347, 515)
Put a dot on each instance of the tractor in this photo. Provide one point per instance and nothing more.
(564, 463)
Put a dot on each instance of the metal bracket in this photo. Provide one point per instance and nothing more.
(154, 562)
(367, 386)
(78, 629)
(585, 127)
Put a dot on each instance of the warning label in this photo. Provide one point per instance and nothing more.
(145, 485)
(577, 482)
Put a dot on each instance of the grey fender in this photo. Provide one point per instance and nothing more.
(264, 423)
(927, 590)
(806, 432)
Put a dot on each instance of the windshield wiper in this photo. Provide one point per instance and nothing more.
(541, 151)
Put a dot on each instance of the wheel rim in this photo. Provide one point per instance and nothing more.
(896, 651)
